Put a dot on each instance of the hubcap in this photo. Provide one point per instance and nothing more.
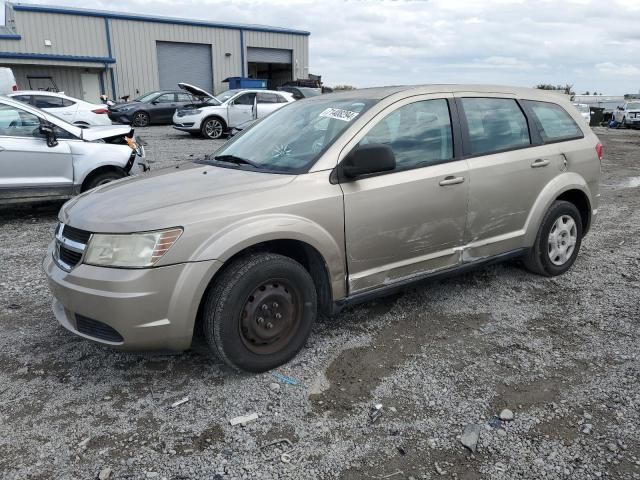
(270, 317)
(562, 240)
(213, 128)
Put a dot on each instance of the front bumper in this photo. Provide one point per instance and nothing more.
(148, 309)
(187, 123)
(120, 117)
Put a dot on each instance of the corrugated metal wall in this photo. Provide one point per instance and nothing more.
(69, 35)
(134, 46)
(67, 79)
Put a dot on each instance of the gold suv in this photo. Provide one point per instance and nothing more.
(326, 202)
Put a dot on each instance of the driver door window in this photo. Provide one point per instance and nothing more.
(18, 123)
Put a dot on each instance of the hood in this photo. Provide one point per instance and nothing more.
(108, 131)
(123, 106)
(195, 91)
(168, 198)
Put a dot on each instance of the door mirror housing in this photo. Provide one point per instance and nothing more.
(48, 130)
(368, 159)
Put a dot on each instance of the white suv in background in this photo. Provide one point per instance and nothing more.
(628, 115)
(73, 110)
(215, 116)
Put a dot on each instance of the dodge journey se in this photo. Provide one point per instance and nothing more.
(326, 202)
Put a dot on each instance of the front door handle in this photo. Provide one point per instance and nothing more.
(451, 180)
(540, 163)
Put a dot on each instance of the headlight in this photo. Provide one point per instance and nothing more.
(135, 250)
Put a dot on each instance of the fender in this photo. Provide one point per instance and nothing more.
(556, 187)
(239, 236)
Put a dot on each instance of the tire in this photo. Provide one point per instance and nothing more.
(553, 254)
(240, 312)
(101, 179)
(213, 128)
(140, 119)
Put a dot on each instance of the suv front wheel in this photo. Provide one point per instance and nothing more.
(258, 314)
(558, 241)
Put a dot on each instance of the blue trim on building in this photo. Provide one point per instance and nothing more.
(10, 36)
(146, 18)
(46, 56)
(242, 51)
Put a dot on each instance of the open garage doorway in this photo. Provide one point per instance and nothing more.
(271, 64)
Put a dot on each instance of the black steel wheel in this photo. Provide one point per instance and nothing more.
(259, 312)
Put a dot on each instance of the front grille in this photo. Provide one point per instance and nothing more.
(75, 234)
(69, 257)
(70, 246)
(97, 329)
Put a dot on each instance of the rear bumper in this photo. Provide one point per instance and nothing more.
(120, 117)
(142, 309)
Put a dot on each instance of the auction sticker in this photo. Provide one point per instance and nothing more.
(339, 114)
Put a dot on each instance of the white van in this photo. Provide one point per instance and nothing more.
(7, 81)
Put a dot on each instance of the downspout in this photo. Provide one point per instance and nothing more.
(110, 52)
(242, 69)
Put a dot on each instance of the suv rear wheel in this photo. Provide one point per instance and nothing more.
(558, 241)
(259, 313)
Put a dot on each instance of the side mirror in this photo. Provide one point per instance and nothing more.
(48, 131)
(368, 159)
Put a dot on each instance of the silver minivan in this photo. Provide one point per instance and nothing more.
(42, 157)
(326, 202)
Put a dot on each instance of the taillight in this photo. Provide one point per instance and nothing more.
(100, 111)
(15, 87)
(599, 151)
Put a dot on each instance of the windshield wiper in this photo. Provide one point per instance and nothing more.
(237, 160)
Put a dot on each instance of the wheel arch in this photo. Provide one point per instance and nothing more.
(302, 252)
(100, 170)
(570, 187)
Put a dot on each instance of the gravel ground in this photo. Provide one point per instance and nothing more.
(443, 358)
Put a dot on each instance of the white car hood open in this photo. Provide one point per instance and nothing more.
(195, 91)
(96, 133)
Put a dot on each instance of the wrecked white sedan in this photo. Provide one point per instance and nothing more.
(45, 158)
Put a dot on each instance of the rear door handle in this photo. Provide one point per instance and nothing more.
(540, 163)
(451, 180)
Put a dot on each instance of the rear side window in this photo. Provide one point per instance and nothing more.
(267, 98)
(554, 122)
(495, 124)
(184, 97)
(418, 133)
(45, 101)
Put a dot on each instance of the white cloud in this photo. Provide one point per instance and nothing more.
(375, 42)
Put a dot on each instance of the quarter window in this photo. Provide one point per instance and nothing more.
(419, 134)
(18, 123)
(554, 122)
(495, 124)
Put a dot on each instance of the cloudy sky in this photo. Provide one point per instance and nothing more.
(592, 44)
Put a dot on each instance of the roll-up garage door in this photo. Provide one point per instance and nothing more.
(184, 62)
(268, 55)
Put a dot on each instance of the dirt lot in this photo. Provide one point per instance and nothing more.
(562, 354)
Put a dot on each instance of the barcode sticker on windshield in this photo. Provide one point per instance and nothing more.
(339, 114)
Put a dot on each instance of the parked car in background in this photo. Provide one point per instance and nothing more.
(585, 111)
(7, 81)
(214, 117)
(73, 110)
(301, 92)
(325, 203)
(628, 115)
(42, 157)
(153, 107)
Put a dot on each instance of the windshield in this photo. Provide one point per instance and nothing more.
(291, 139)
(146, 97)
(224, 96)
(633, 106)
(212, 101)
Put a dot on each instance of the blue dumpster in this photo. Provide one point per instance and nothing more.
(243, 82)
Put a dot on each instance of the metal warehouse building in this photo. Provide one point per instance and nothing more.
(88, 52)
